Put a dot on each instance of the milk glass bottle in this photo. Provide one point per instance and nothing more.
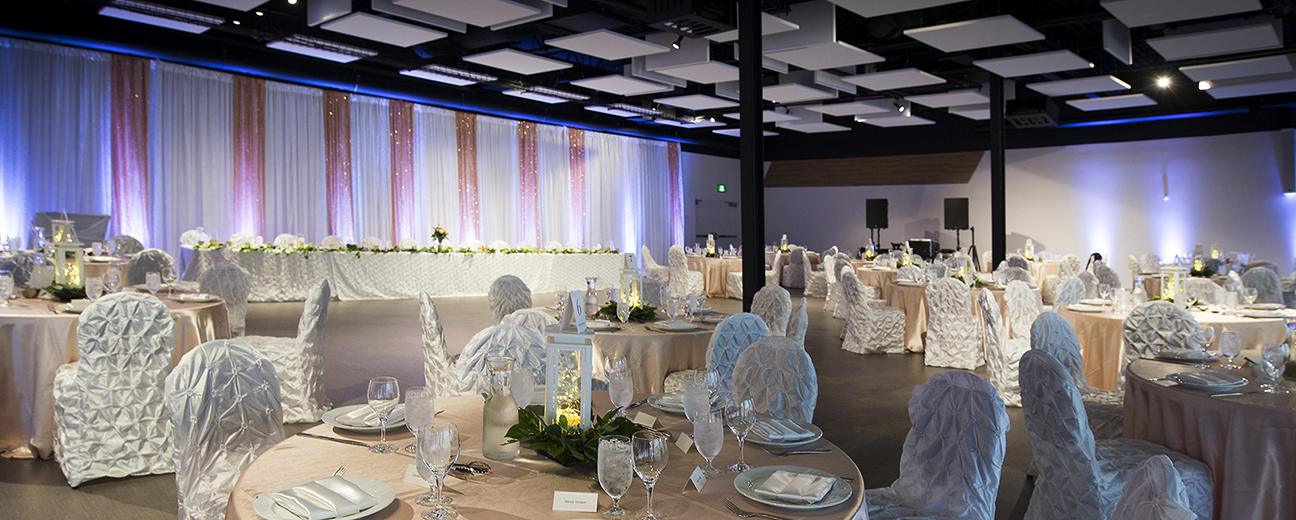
(500, 412)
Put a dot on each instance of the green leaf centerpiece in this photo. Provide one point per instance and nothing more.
(566, 444)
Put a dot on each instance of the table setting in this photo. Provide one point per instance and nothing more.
(656, 346)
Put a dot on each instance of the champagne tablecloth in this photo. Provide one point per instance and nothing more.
(653, 355)
(34, 342)
(1248, 441)
(1040, 270)
(880, 278)
(715, 273)
(913, 299)
(523, 488)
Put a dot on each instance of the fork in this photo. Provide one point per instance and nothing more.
(52, 308)
(749, 514)
(794, 452)
(341, 471)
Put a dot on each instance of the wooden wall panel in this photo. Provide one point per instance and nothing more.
(937, 168)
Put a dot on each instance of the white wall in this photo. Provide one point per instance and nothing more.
(701, 175)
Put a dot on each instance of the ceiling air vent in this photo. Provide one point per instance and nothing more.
(691, 18)
(1032, 113)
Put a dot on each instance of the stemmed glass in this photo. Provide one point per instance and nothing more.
(1207, 338)
(1275, 363)
(623, 312)
(384, 394)
(94, 287)
(615, 471)
(112, 279)
(1104, 292)
(690, 307)
(741, 416)
(620, 389)
(1230, 347)
(6, 287)
(169, 276)
(1250, 294)
(419, 410)
(650, 457)
(672, 307)
(708, 434)
(438, 448)
(153, 282)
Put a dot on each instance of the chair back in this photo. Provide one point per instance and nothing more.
(534, 319)
(1070, 266)
(798, 323)
(798, 256)
(232, 283)
(774, 305)
(1266, 283)
(654, 293)
(409, 243)
(507, 293)
(331, 242)
(284, 240)
(1090, 282)
(523, 344)
(678, 261)
(1054, 334)
(126, 244)
(948, 297)
(910, 273)
(1156, 326)
(1017, 274)
(154, 260)
(370, 243)
(20, 267)
(1206, 290)
(1071, 291)
(1151, 263)
(732, 336)
(1067, 476)
(1024, 306)
(779, 378)
(1107, 275)
(438, 370)
(190, 238)
(1018, 261)
(1154, 492)
(648, 261)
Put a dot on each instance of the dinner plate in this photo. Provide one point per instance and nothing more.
(194, 297)
(331, 418)
(68, 308)
(666, 402)
(756, 436)
(265, 506)
(712, 318)
(1081, 307)
(100, 259)
(1096, 301)
(908, 283)
(1186, 355)
(600, 325)
(1208, 381)
(674, 326)
(1265, 306)
(1249, 313)
(747, 482)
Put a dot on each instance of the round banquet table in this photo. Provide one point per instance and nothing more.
(913, 300)
(1102, 343)
(882, 278)
(34, 342)
(653, 354)
(523, 487)
(715, 273)
(1040, 270)
(1249, 441)
(99, 269)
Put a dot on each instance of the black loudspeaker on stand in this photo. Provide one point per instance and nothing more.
(956, 218)
(875, 212)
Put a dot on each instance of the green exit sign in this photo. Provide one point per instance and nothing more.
(720, 188)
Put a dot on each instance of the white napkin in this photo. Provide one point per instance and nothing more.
(782, 430)
(672, 398)
(1208, 378)
(795, 487)
(324, 498)
(366, 416)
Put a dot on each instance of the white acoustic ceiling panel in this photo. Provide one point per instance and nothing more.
(868, 8)
(1232, 40)
(1240, 68)
(683, 124)
(796, 93)
(158, 21)
(1112, 102)
(1137, 13)
(696, 102)
(952, 98)
(1252, 86)
(611, 111)
(815, 128)
(241, 5)
(829, 55)
(322, 49)
(976, 34)
(385, 30)
(517, 61)
(535, 96)
(979, 112)
(482, 13)
(736, 132)
(768, 116)
(770, 24)
(606, 44)
(1032, 64)
(894, 120)
(1071, 87)
(854, 108)
(439, 78)
(706, 72)
(622, 85)
(894, 79)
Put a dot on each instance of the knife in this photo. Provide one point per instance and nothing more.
(334, 439)
(1231, 394)
(636, 404)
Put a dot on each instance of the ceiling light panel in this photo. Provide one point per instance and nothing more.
(979, 112)
(240, 5)
(1253, 86)
(1251, 37)
(829, 55)
(855, 108)
(770, 24)
(482, 13)
(696, 102)
(706, 72)
(145, 17)
(976, 34)
(636, 109)
(814, 46)
(517, 61)
(379, 29)
(622, 85)
(611, 111)
(535, 96)
(736, 132)
(606, 44)
(870, 8)
(815, 128)
(1071, 87)
(1137, 13)
(768, 116)
(1033, 64)
(894, 120)
(1112, 102)
(437, 77)
(950, 99)
(323, 49)
(795, 93)
(1240, 68)
(894, 79)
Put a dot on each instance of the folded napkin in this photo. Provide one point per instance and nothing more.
(672, 398)
(324, 498)
(782, 430)
(796, 487)
(366, 416)
(1208, 378)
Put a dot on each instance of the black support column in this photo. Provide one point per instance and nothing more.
(998, 206)
(749, 145)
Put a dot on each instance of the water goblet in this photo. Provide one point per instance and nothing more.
(697, 400)
(741, 417)
(112, 279)
(1275, 363)
(623, 312)
(419, 407)
(169, 276)
(94, 287)
(153, 282)
(438, 449)
(650, 457)
(615, 471)
(1230, 348)
(708, 434)
(6, 287)
(1250, 294)
(620, 389)
(1104, 291)
(1207, 338)
(96, 248)
(672, 307)
(384, 394)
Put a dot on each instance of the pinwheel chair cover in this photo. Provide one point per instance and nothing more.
(1017, 274)
(1156, 326)
(794, 272)
(1154, 492)
(657, 272)
(331, 241)
(1076, 477)
(1107, 275)
(126, 244)
(1023, 307)
(1070, 291)
(952, 456)
(1205, 290)
(1069, 267)
(829, 265)
(523, 344)
(224, 403)
(1002, 353)
(869, 328)
(953, 333)
(798, 323)
(779, 378)
(816, 282)
(732, 336)
(507, 293)
(240, 239)
(438, 370)
(534, 319)
(683, 282)
(654, 293)
(232, 283)
(148, 260)
(20, 267)
(409, 243)
(1019, 262)
(1105, 409)
(909, 273)
(774, 305)
(1266, 283)
(1090, 282)
(1151, 263)
(110, 417)
(299, 361)
(285, 240)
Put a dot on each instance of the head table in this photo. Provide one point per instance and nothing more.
(524, 487)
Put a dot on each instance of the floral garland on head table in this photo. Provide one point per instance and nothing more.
(439, 234)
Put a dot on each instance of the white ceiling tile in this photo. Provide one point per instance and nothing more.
(854, 108)
(952, 98)
(869, 8)
(770, 24)
(1253, 86)
(1251, 37)
(895, 120)
(1240, 68)
(1137, 13)
(707, 72)
(535, 96)
(1070, 87)
(1112, 102)
(815, 128)
(769, 116)
(975, 34)
(622, 85)
(385, 30)
(705, 123)
(611, 111)
(482, 13)
(795, 93)
(606, 44)
(517, 61)
(696, 102)
(314, 52)
(158, 21)
(979, 112)
(736, 132)
(439, 78)
(829, 55)
(1032, 64)
(894, 79)
(241, 5)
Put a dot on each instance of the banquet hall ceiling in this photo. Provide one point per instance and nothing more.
(835, 73)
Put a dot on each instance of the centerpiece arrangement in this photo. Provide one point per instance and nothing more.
(638, 313)
(439, 234)
(710, 247)
(563, 442)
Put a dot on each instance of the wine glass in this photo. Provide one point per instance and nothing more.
(438, 448)
(650, 457)
(620, 389)
(701, 301)
(6, 287)
(384, 394)
(690, 307)
(1274, 364)
(615, 471)
(1207, 338)
(1104, 292)
(741, 416)
(112, 279)
(672, 307)
(623, 312)
(153, 282)
(169, 276)
(708, 434)
(1250, 294)
(94, 287)
(1230, 347)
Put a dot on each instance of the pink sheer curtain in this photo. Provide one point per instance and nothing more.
(401, 118)
(676, 193)
(528, 156)
(130, 95)
(249, 155)
(576, 148)
(466, 137)
(337, 163)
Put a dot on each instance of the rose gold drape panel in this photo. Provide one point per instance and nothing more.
(401, 118)
(676, 193)
(130, 95)
(466, 136)
(337, 163)
(249, 155)
(529, 168)
(576, 147)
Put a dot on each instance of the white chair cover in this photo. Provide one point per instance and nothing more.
(190, 238)
(1068, 267)
(734, 285)
(554, 245)
(507, 293)
(953, 455)
(1156, 326)
(1002, 354)
(655, 271)
(525, 245)
(1205, 290)
(829, 253)
(987, 261)
(774, 273)
(1105, 409)
(223, 399)
(526, 346)
(499, 244)
(779, 378)
(909, 273)
(1078, 478)
(1090, 282)
(232, 283)
(935, 271)
(126, 244)
(1019, 262)
(409, 243)
(798, 323)
(774, 305)
(1072, 290)
(329, 242)
(284, 240)
(438, 370)
(240, 239)
(1023, 307)
(829, 264)
(257, 241)
(110, 417)
(953, 333)
(154, 260)
(20, 267)
(1017, 274)
(370, 243)
(534, 319)
(794, 272)
(869, 328)
(1135, 267)
(815, 282)
(1154, 492)
(1151, 263)
(1266, 283)
(654, 293)
(732, 336)
(683, 282)
(572, 246)
(1107, 275)
(299, 361)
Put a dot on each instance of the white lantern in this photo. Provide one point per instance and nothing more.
(1172, 283)
(570, 362)
(65, 244)
(631, 288)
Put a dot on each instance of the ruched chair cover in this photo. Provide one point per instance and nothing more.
(829, 264)
(829, 253)
(224, 404)
(1134, 266)
(1023, 307)
(232, 283)
(1266, 283)
(110, 417)
(654, 293)
(1107, 275)
(190, 238)
(799, 322)
(774, 273)
(284, 240)
(438, 371)
(869, 328)
(732, 336)
(554, 245)
(816, 281)
(148, 260)
(683, 282)
(1017, 274)
(1079, 478)
(779, 378)
(1157, 326)
(935, 271)
(499, 245)
(241, 239)
(953, 455)
(774, 305)
(1001, 352)
(794, 271)
(20, 267)
(953, 333)
(1090, 282)
(1070, 291)
(1205, 290)
(370, 243)
(909, 273)
(525, 345)
(126, 244)
(987, 261)
(1068, 267)
(330, 242)
(1105, 408)
(409, 243)
(657, 272)
(1154, 492)
(507, 293)
(1151, 263)
(534, 319)
(299, 361)
(1019, 262)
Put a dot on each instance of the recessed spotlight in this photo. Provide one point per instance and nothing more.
(292, 2)
(1204, 85)
(713, 120)
(1163, 82)
(259, 13)
(1091, 64)
(676, 44)
(236, 22)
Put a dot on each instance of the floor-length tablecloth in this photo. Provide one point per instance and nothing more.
(880, 278)
(652, 355)
(1248, 441)
(34, 342)
(715, 273)
(1041, 269)
(523, 488)
(913, 300)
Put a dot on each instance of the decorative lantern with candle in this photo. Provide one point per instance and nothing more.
(1172, 283)
(67, 271)
(1030, 249)
(570, 360)
(710, 246)
(631, 288)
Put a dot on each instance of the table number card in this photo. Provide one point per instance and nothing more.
(573, 318)
(684, 443)
(698, 478)
(645, 420)
(412, 477)
(572, 501)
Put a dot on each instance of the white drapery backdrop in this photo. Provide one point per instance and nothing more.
(499, 180)
(295, 193)
(436, 175)
(553, 155)
(371, 190)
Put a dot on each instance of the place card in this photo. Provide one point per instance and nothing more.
(573, 501)
(684, 443)
(698, 478)
(645, 420)
(573, 318)
(412, 477)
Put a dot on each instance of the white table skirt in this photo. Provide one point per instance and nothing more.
(280, 277)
